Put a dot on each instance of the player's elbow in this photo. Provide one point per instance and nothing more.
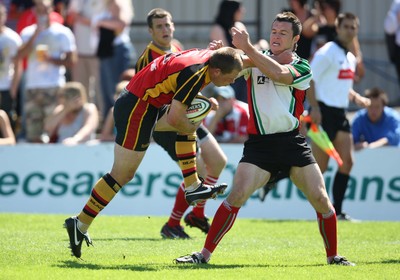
(172, 120)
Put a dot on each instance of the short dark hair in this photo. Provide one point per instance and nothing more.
(375, 92)
(294, 20)
(157, 13)
(227, 59)
(342, 16)
(291, 18)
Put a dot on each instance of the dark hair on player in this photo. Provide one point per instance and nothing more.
(157, 13)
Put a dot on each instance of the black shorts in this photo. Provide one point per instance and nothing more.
(333, 120)
(134, 121)
(277, 153)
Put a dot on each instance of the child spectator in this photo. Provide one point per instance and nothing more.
(50, 49)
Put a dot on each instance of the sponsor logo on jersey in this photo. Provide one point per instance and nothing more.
(345, 74)
(262, 80)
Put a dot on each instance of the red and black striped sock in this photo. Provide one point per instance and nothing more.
(186, 153)
(103, 192)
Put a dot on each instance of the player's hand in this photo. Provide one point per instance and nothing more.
(316, 116)
(363, 101)
(225, 107)
(214, 103)
(215, 45)
(70, 141)
(240, 39)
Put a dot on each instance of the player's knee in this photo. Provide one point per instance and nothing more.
(237, 196)
(122, 178)
(321, 202)
(218, 164)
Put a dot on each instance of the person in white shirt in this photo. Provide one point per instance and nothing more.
(10, 66)
(392, 30)
(50, 49)
(333, 68)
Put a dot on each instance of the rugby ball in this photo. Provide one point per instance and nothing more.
(199, 109)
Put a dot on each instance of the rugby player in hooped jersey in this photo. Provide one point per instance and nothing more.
(210, 157)
(174, 80)
(276, 93)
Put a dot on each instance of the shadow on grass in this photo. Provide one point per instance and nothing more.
(80, 264)
(159, 239)
(235, 266)
(391, 261)
(128, 239)
(278, 221)
(124, 239)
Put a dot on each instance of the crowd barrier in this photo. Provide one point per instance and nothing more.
(54, 178)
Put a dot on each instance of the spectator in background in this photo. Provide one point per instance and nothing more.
(30, 16)
(75, 120)
(301, 9)
(86, 70)
(321, 25)
(230, 14)
(10, 67)
(27, 15)
(7, 136)
(108, 130)
(61, 7)
(228, 123)
(333, 70)
(323, 29)
(115, 49)
(50, 48)
(16, 9)
(392, 30)
(377, 125)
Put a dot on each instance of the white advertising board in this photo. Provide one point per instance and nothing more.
(58, 179)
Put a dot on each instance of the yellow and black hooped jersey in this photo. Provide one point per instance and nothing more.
(152, 52)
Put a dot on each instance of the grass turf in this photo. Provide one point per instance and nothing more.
(35, 246)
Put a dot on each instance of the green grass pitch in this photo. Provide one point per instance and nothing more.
(35, 246)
